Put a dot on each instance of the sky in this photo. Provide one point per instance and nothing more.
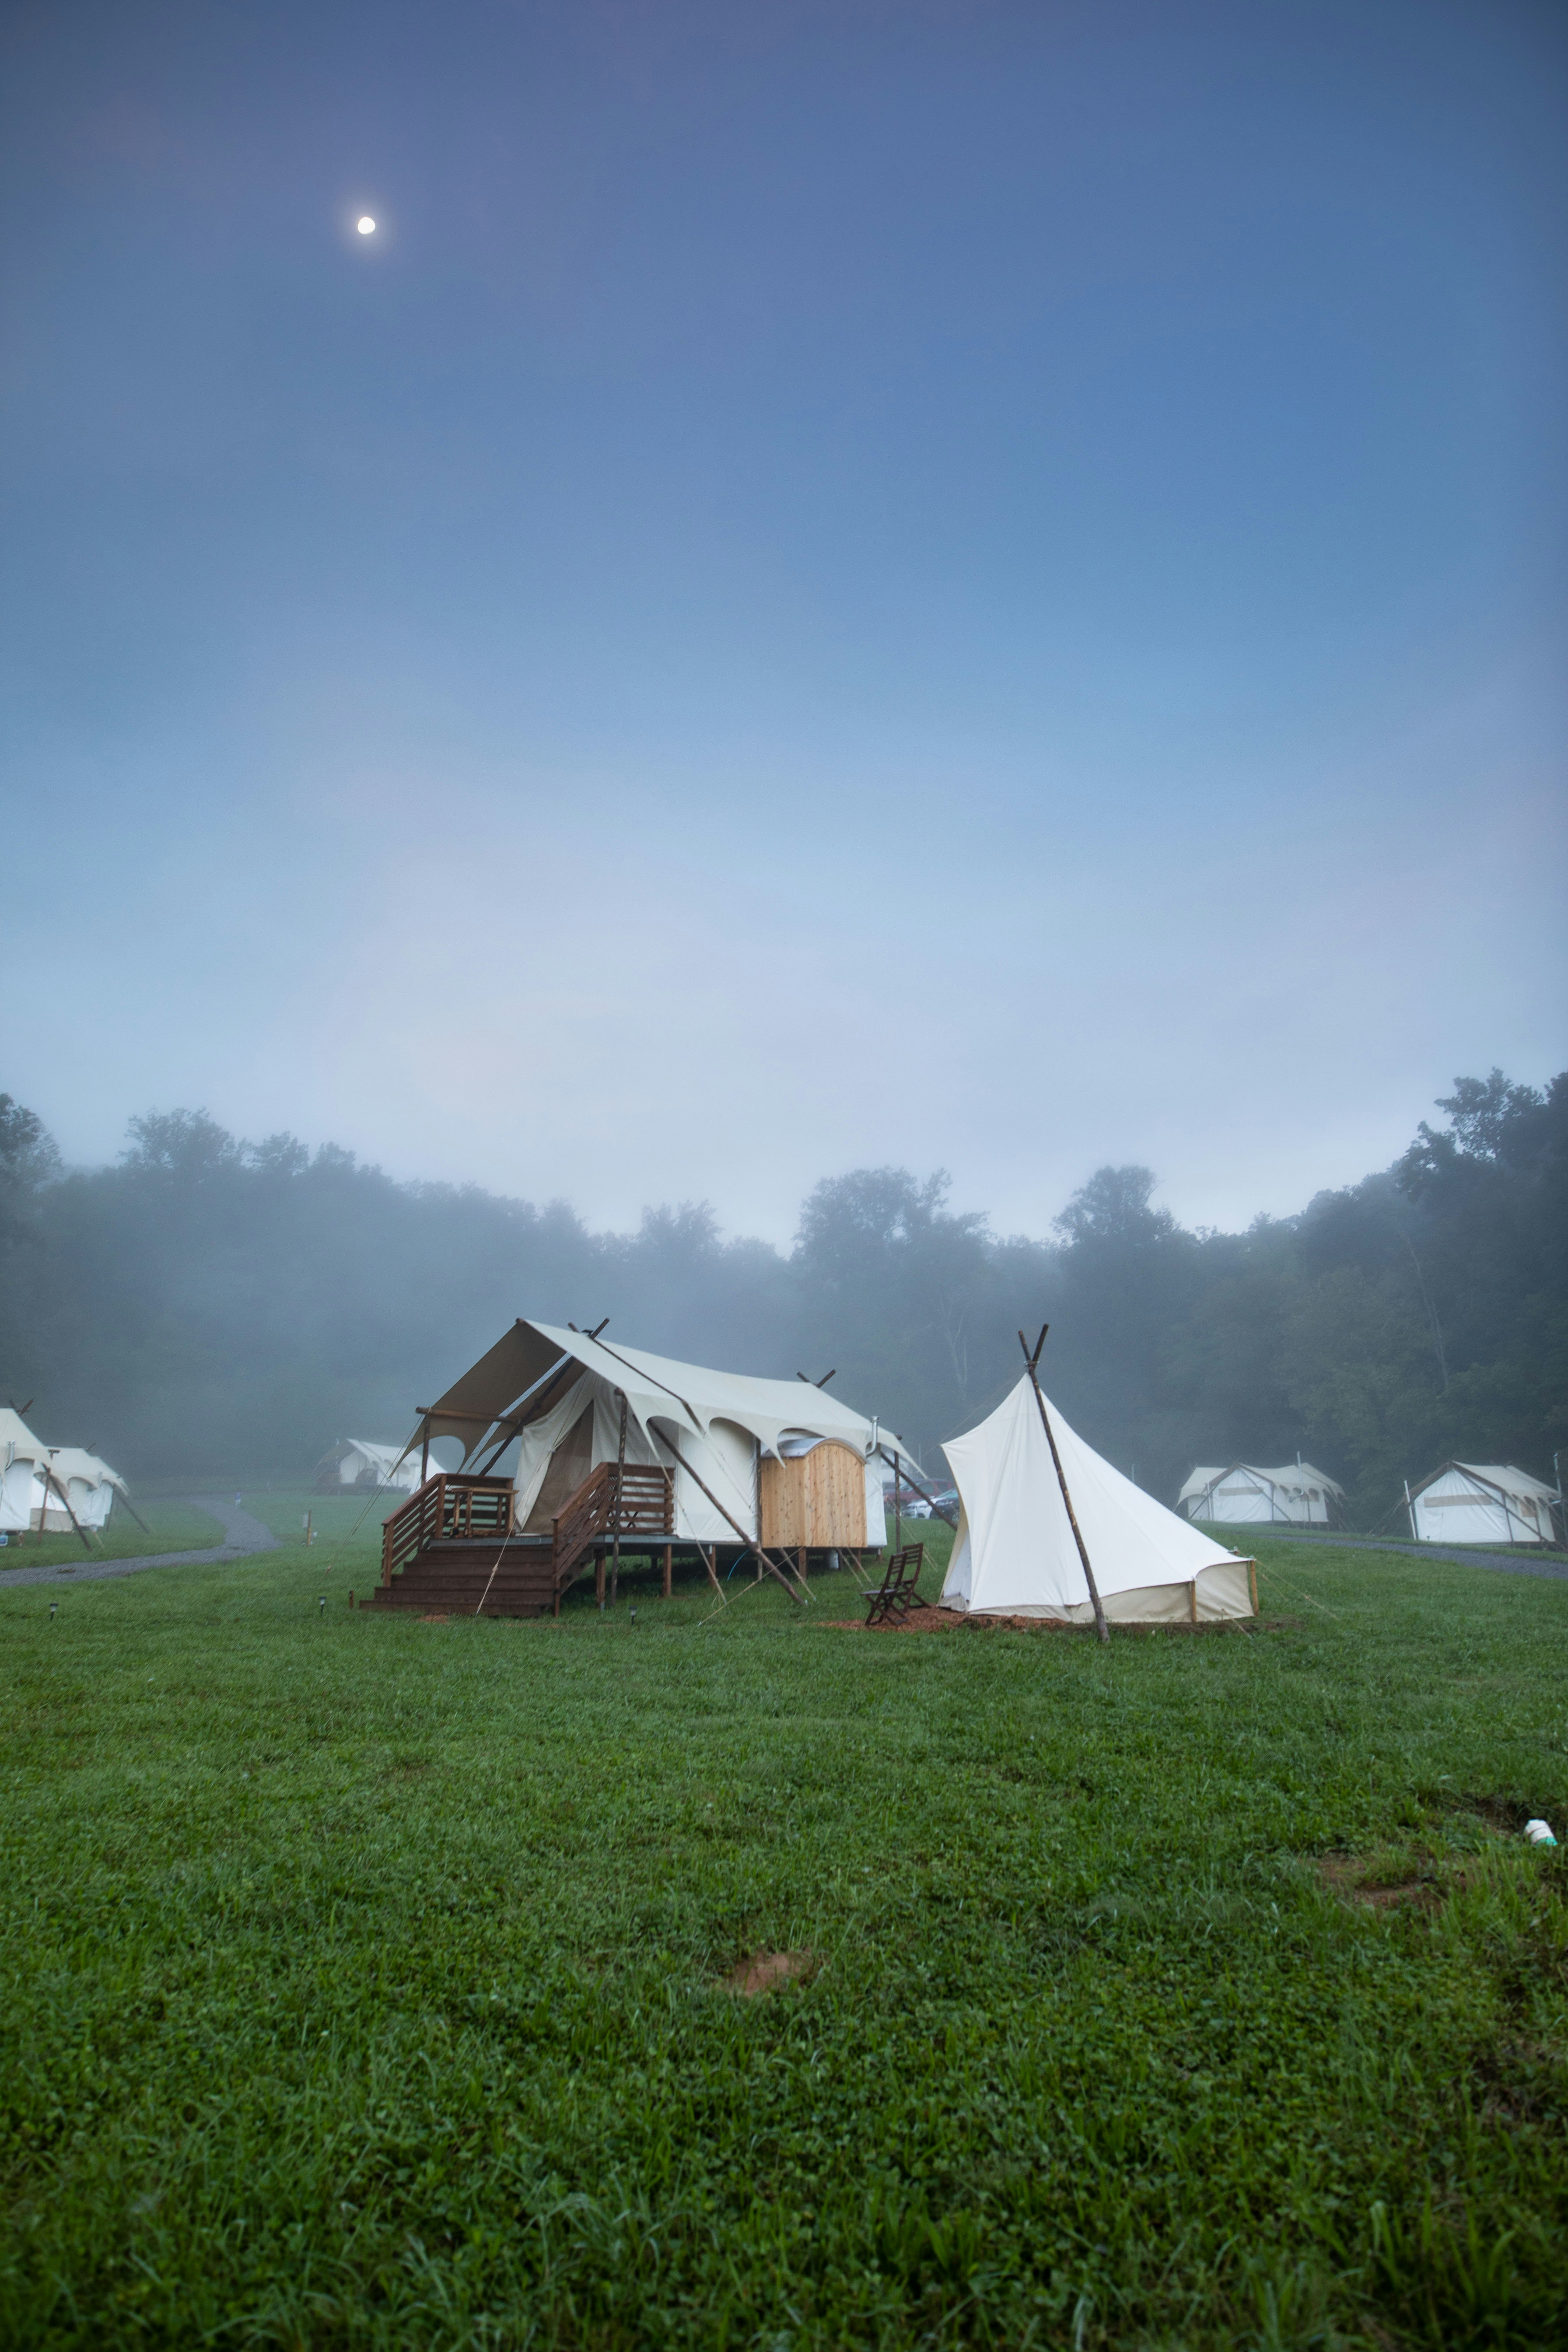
(953, 584)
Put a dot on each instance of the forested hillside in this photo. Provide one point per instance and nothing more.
(214, 1306)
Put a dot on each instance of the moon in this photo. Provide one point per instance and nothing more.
(365, 226)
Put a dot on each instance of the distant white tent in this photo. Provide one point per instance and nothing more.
(1294, 1495)
(82, 1481)
(358, 1462)
(1482, 1501)
(1015, 1554)
(23, 1460)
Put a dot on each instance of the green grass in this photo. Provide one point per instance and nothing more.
(172, 1526)
(364, 1977)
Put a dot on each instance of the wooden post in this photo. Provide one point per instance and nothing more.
(620, 1488)
(709, 1555)
(599, 1577)
(1192, 1600)
(669, 1568)
(1101, 1629)
(803, 1563)
(425, 1451)
(1252, 1584)
(771, 1565)
(898, 1522)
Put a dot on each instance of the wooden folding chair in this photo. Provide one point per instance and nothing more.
(898, 1591)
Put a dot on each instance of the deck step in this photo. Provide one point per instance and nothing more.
(513, 1580)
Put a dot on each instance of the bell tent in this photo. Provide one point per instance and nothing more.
(1016, 1555)
(1482, 1501)
(1295, 1495)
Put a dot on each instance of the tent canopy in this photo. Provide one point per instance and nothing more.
(1245, 1492)
(70, 1462)
(1483, 1502)
(512, 1385)
(1015, 1554)
(555, 1394)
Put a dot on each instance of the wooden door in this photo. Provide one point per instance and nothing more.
(816, 1501)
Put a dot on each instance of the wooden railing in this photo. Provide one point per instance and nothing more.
(447, 1505)
(646, 1508)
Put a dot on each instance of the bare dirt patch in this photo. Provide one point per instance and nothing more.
(765, 1972)
(434, 1617)
(1355, 1879)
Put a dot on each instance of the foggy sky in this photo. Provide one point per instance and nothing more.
(949, 584)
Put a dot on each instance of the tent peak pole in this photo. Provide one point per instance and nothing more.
(1101, 1630)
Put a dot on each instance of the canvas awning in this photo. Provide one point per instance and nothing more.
(521, 1378)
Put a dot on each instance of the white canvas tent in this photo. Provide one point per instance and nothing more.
(89, 1485)
(359, 1462)
(1482, 1501)
(553, 1396)
(1294, 1495)
(23, 1460)
(1015, 1554)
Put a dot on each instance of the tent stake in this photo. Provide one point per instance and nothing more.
(768, 1563)
(1101, 1632)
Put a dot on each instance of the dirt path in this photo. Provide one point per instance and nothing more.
(243, 1537)
(1510, 1563)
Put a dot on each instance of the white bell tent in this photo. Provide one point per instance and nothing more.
(1015, 1554)
(1242, 1496)
(1482, 1501)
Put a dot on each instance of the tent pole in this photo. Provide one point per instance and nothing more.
(50, 1480)
(620, 1488)
(910, 1480)
(897, 1523)
(768, 1563)
(1101, 1629)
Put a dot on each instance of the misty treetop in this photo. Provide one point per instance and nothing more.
(210, 1305)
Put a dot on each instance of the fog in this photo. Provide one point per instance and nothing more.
(212, 1307)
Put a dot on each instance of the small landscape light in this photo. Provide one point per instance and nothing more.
(324, 1604)
(53, 1606)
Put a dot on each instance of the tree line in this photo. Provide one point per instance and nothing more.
(209, 1305)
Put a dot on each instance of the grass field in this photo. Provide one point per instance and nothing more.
(367, 1979)
(172, 1526)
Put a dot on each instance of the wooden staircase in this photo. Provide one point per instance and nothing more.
(452, 1548)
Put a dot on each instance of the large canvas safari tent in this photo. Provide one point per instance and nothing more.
(1015, 1554)
(1294, 1495)
(357, 1464)
(574, 1446)
(79, 1494)
(1482, 1501)
(23, 1458)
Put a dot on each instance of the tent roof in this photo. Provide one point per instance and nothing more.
(1021, 1542)
(72, 1462)
(1290, 1477)
(17, 1442)
(511, 1383)
(1493, 1474)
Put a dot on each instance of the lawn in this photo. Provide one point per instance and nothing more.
(368, 1979)
(172, 1525)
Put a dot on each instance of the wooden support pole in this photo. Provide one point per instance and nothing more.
(620, 1487)
(1101, 1630)
(599, 1577)
(669, 1568)
(50, 1480)
(709, 1555)
(771, 1565)
(802, 1570)
(909, 1480)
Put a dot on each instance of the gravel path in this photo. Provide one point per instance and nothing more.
(243, 1536)
(1510, 1563)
